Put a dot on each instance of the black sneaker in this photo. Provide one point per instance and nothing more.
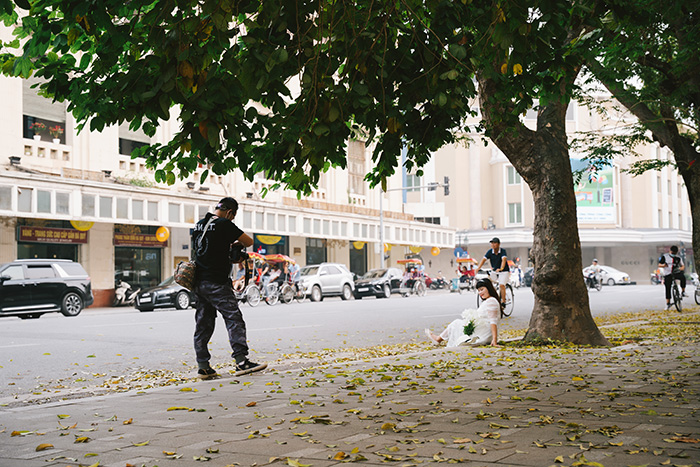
(207, 373)
(248, 367)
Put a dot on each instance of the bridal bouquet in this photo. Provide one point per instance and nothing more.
(471, 317)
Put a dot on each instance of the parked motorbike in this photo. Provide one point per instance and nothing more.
(594, 282)
(656, 278)
(438, 283)
(124, 294)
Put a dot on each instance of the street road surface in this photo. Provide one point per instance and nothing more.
(118, 341)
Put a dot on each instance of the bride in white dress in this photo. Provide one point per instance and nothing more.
(485, 319)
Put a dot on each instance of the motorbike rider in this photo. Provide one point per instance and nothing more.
(593, 273)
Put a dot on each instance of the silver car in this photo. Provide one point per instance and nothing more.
(326, 279)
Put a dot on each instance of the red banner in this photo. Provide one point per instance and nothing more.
(142, 240)
(51, 235)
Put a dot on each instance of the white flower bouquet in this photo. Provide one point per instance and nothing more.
(471, 318)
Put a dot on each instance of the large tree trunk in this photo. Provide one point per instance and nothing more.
(561, 311)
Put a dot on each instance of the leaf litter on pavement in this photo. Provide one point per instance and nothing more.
(477, 408)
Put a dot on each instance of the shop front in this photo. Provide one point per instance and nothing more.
(316, 251)
(138, 255)
(358, 257)
(38, 238)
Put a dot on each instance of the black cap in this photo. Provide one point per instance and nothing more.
(495, 240)
(228, 204)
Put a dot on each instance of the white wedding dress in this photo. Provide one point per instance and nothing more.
(488, 313)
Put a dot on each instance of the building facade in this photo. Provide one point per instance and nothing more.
(82, 197)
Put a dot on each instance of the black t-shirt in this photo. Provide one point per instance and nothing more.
(212, 258)
(497, 258)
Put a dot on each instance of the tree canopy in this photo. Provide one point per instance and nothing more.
(317, 71)
(279, 86)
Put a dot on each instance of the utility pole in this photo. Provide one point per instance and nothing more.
(430, 186)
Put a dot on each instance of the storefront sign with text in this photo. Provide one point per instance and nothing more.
(142, 240)
(50, 235)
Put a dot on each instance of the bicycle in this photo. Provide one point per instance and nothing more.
(418, 288)
(506, 310)
(677, 296)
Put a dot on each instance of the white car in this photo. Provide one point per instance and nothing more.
(611, 276)
(322, 280)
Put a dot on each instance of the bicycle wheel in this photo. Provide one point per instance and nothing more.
(273, 294)
(286, 294)
(697, 295)
(299, 294)
(421, 289)
(252, 295)
(677, 298)
(510, 302)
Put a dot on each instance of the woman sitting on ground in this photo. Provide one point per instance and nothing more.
(484, 330)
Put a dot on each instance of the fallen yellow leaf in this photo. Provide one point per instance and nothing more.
(44, 446)
(251, 404)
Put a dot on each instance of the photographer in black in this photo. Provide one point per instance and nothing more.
(223, 243)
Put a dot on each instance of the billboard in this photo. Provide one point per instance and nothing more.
(595, 200)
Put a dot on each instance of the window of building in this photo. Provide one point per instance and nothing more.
(62, 203)
(271, 222)
(326, 227)
(137, 209)
(513, 176)
(356, 167)
(39, 109)
(43, 201)
(122, 208)
(152, 210)
(344, 229)
(412, 180)
(307, 225)
(317, 226)
(173, 212)
(356, 230)
(281, 222)
(658, 183)
(88, 205)
(292, 224)
(131, 140)
(247, 220)
(661, 223)
(515, 213)
(5, 198)
(189, 214)
(259, 221)
(428, 220)
(203, 210)
(24, 199)
(106, 206)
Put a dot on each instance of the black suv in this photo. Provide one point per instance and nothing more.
(31, 287)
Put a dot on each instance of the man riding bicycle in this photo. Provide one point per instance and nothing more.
(499, 267)
(672, 268)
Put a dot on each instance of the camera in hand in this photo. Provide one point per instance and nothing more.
(237, 253)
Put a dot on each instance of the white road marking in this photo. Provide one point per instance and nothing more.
(287, 327)
(17, 345)
(124, 324)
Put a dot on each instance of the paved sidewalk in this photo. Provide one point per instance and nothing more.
(631, 405)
